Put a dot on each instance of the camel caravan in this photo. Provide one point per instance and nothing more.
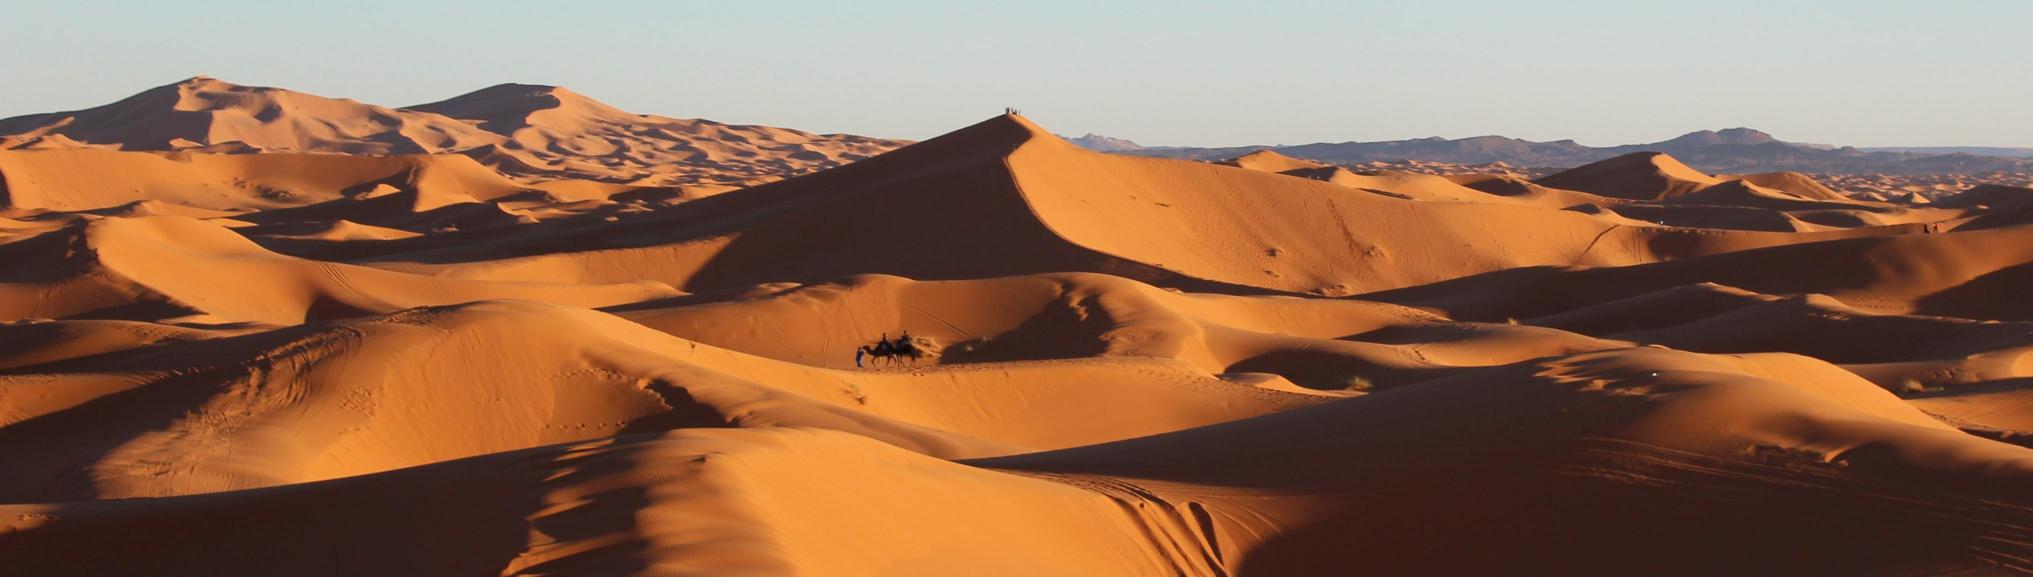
(905, 349)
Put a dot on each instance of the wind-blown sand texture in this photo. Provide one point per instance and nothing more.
(254, 332)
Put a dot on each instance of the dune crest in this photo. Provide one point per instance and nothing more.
(525, 131)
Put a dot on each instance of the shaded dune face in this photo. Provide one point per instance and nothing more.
(510, 333)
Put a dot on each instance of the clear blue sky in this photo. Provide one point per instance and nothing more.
(1862, 72)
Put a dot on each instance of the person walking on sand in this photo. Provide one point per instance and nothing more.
(858, 353)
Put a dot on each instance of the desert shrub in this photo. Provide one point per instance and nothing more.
(1912, 385)
(1354, 383)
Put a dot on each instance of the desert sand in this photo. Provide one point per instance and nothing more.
(249, 331)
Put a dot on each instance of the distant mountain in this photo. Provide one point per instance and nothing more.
(1099, 143)
(531, 131)
(1733, 150)
(1725, 137)
(1472, 150)
(1976, 150)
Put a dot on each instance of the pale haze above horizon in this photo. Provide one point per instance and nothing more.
(1864, 73)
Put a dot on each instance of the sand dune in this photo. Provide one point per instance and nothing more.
(556, 133)
(77, 180)
(364, 396)
(1203, 501)
(1634, 176)
(709, 502)
(520, 332)
(1573, 447)
(1334, 345)
(1795, 184)
(1052, 207)
(141, 267)
(210, 114)
(531, 132)
(1999, 206)
(1268, 161)
(1968, 274)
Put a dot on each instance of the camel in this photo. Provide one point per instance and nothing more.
(904, 348)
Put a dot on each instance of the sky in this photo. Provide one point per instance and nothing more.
(1179, 72)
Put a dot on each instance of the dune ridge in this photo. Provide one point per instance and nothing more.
(1041, 209)
(527, 131)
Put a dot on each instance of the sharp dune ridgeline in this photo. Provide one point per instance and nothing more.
(250, 331)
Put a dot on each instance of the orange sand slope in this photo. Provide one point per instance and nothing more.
(245, 331)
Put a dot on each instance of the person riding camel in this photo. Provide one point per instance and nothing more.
(904, 344)
(886, 351)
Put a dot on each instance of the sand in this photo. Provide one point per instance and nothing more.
(248, 331)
